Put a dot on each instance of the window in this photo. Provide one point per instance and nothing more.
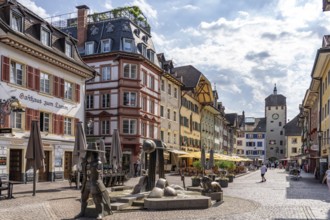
(145, 78)
(106, 73)
(168, 137)
(130, 99)
(151, 130)
(162, 135)
(168, 113)
(16, 22)
(144, 50)
(68, 49)
(90, 130)
(16, 73)
(105, 45)
(281, 143)
(44, 121)
(152, 107)
(151, 55)
(162, 86)
(128, 45)
(130, 70)
(174, 138)
(175, 92)
(105, 127)
(152, 82)
(16, 120)
(45, 37)
(89, 48)
(144, 129)
(68, 126)
(239, 143)
(129, 126)
(161, 111)
(294, 141)
(68, 90)
(45, 83)
(105, 100)
(259, 144)
(169, 89)
(294, 150)
(174, 115)
(89, 101)
(279, 123)
(144, 103)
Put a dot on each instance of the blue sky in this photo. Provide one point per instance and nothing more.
(243, 46)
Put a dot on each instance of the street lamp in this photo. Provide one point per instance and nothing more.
(7, 106)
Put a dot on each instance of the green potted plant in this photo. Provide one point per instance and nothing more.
(196, 180)
(230, 177)
(223, 181)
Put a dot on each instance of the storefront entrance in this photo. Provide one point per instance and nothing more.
(44, 174)
(127, 162)
(67, 164)
(15, 165)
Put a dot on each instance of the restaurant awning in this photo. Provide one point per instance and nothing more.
(175, 151)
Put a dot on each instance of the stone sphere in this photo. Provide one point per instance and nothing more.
(149, 146)
(169, 191)
(161, 183)
(156, 193)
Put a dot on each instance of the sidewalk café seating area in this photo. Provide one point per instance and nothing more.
(6, 186)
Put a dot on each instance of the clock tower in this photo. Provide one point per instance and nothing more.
(276, 117)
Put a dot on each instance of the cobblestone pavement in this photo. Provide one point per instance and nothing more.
(246, 198)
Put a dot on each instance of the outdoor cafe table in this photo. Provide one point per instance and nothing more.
(9, 185)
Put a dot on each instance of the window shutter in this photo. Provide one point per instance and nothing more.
(61, 124)
(5, 69)
(37, 80)
(7, 121)
(28, 118)
(56, 87)
(30, 77)
(61, 88)
(36, 115)
(77, 93)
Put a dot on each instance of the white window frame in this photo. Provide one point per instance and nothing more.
(45, 119)
(131, 99)
(128, 45)
(68, 49)
(129, 126)
(144, 50)
(89, 47)
(131, 71)
(45, 36)
(17, 120)
(104, 45)
(106, 73)
(168, 113)
(45, 82)
(105, 127)
(105, 100)
(68, 90)
(68, 126)
(151, 55)
(17, 73)
(89, 101)
(16, 22)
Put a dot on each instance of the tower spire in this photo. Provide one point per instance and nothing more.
(275, 90)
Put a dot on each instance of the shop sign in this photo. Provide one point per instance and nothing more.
(5, 130)
(3, 161)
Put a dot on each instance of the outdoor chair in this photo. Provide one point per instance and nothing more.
(3, 187)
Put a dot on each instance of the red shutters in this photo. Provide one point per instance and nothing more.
(77, 93)
(5, 69)
(32, 78)
(58, 124)
(61, 88)
(56, 92)
(7, 121)
(30, 114)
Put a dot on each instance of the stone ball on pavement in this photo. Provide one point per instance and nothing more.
(161, 183)
(156, 193)
(169, 191)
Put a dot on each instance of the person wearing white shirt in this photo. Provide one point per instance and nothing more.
(327, 177)
(263, 171)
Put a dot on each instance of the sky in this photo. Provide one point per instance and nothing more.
(244, 47)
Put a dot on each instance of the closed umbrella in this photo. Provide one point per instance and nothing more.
(79, 149)
(211, 160)
(203, 159)
(102, 153)
(35, 154)
(116, 153)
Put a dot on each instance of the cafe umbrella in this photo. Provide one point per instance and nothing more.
(116, 153)
(35, 154)
(79, 149)
(211, 160)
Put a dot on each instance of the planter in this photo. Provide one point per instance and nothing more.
(223, 182)
(196, 181)
(230, 179)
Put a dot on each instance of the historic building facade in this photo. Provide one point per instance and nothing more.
(42, 70)
(255, 139)
(293, 143)
(276, 117)
(126, 93)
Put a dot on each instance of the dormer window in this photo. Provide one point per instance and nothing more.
(144, 50)
(105, 45)
(128, 45)
(89, 47)
(68, 49)
(16, 22)
(151, 55)
(145, 39)
(45, 36)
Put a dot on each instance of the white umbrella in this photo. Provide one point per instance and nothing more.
(211, 160)
(79, 149)
(116, 153)
(35, 154)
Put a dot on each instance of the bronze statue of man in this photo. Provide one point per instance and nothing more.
(93, 184)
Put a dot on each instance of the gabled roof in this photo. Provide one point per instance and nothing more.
(292, 128)
(232, 118)
(275, 100)
(260, 125)
(189, 74)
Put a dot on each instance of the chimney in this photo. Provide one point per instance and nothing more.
(82, 25)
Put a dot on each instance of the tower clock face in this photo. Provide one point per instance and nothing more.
(275, 116)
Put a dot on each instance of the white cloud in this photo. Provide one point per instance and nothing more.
(108, 5)
(31, 5)
(147, 9)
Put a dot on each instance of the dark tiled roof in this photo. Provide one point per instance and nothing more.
(231, 118)
(275, 100)
(189, 74)
(292, 128)
(260, 125)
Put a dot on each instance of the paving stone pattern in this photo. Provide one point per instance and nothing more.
(246, 198)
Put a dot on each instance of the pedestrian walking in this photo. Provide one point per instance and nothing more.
(263, 171)
(327, 177)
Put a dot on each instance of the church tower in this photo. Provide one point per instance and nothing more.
(276, 117)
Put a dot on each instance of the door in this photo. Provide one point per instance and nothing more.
(15, 165)
(127, 162)
(67, 164)
(43, 175)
